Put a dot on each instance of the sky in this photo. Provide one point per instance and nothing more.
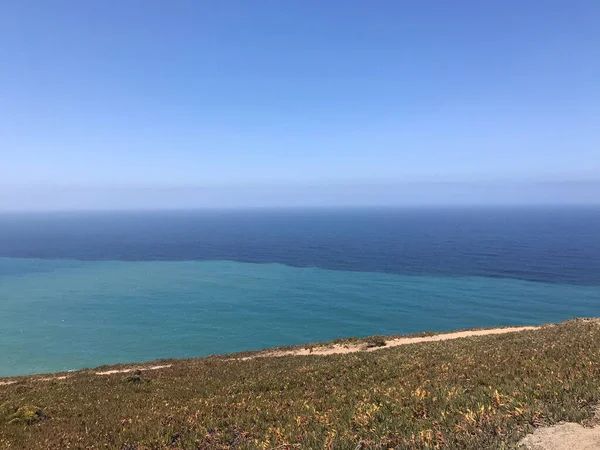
(145, 103)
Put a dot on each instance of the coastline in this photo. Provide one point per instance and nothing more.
(490, 388)
(336, 347)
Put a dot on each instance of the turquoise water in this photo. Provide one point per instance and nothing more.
(65, 314)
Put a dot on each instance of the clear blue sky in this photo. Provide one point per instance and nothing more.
(150, 95)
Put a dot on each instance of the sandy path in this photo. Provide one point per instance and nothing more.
(352, 348)
(108, 372)
(331, 350)
(132, 369)
(564, 436)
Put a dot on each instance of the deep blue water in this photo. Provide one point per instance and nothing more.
(83, 289)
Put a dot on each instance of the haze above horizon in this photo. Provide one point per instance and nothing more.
(242, 104)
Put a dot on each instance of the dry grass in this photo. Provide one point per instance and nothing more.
(474, 393)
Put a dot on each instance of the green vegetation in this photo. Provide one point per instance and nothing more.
(24, 415)
(376, 341)
(475, 393)
(136, 377)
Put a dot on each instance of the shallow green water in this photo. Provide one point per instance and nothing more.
(60, 314)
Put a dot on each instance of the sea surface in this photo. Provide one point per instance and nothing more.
(84, 289)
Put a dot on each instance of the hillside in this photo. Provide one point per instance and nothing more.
(477, 392)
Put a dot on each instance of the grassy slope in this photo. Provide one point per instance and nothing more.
(483, 392)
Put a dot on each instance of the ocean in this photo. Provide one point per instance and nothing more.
(85, 289)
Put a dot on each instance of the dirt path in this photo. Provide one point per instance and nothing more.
(330, 350)
(565, 436)
(108, 372)
(363, 347)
